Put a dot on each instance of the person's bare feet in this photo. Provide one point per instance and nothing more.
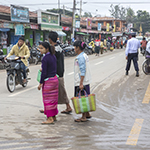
(49, 120)
(24, 81)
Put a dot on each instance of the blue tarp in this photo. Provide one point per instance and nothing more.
(4, 29)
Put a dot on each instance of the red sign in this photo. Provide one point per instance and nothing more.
(65, 28)
(34, 26)
(89, 23)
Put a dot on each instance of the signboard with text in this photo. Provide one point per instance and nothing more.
(19, 14)
(89, 24)
(77, 23)
(49, 18)
(107, 27)
(99, 26)
(19, 29)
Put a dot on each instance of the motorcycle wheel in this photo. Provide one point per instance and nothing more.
(11, 83)
(36, 60)
(146, 67)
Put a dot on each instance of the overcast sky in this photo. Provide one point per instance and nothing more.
(90, 6)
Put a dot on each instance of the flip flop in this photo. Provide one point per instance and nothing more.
(41, 111)
(80, 120)
(44, 123)
(66, 112)
(89, 117)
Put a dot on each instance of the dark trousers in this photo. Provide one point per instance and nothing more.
(133, 57)
(23, 67)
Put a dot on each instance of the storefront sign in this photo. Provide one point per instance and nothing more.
(19, 14)
(51, 27)
(6, 25)
(34, 26)
(117, 34)
(107, 27)
(99, 26)
(66, 28)
(129, 26)
(77, 23)
(89, 23)
(114, 28)
(48, 18)
(19, 29)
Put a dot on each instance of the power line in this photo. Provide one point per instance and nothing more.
(117, 2)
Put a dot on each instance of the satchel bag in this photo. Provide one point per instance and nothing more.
(83, 104)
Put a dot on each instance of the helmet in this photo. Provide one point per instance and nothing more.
(1, 52)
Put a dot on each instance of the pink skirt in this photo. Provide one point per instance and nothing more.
(50, 96)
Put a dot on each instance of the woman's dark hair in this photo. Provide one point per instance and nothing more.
(47, 45)
(80, 44)
(143, 38)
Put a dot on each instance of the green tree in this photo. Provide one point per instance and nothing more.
(143, 19)
(130, 18)
(118, 12)
(87, 14)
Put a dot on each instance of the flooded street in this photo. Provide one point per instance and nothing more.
(121, 121)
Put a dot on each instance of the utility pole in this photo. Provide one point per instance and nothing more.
(73, 18)
(63, 10)
(59, 6)
(80, 8)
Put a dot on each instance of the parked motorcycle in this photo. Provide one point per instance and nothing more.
(15, 73)
(33, 53)
(38, 57)
(68, 50)
(146, 64)
(2, 56)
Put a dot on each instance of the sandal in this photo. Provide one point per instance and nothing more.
(66, 111)
(44, 123)
(88, 117)
(80, 120)
(50, 120)
(41, 111)
(54, 118)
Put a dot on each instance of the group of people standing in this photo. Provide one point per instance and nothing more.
(52, 81)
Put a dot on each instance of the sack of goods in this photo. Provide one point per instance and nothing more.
(111, 48)
(86, 103)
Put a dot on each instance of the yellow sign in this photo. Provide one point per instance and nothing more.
(114, 28)
(107, 27)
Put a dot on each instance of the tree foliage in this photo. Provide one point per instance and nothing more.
(87, 14)
(118, 12)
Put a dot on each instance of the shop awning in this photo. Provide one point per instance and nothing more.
(81, 33)
(4, 29)
(61, 33)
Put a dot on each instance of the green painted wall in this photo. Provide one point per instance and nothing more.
(29, 36)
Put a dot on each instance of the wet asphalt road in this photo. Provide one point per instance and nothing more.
(121, 121)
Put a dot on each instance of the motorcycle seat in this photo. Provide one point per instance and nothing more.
(147, 56)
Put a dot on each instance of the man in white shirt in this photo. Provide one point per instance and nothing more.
(132, 54)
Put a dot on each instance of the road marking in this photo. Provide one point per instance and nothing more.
(111, 58)
(99, 63)
(22, 91)
(147, 95)
(135, 132)
(70, 73)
